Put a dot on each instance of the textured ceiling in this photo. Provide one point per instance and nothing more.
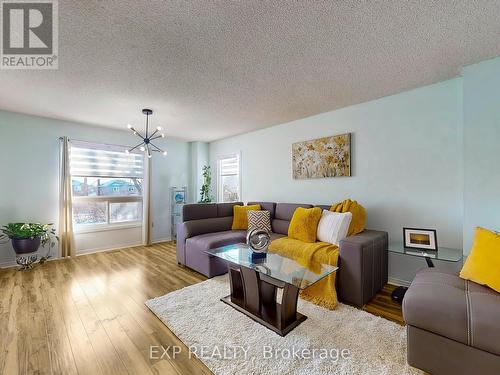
(214, 69)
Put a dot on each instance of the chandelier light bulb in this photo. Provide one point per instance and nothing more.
(129, 126)
(142, 148)
(159, 128)
(127, 151)
(165, 153)
(163, 135)
(149, 156)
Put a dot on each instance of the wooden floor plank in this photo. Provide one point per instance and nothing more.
(86, 315)
(60, 349)
(83, 351)
(7, 297)
(39, 361)
(383, 305)
(9, 356)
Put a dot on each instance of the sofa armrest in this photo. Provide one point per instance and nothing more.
(193, 228)
(362, 266)
(180, 243)
(215, 224)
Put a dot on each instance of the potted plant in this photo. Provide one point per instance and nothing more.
(26, 239)
(205, 196)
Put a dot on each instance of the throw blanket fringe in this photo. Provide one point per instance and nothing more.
(309, 255)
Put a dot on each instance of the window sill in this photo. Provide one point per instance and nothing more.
(106, 228)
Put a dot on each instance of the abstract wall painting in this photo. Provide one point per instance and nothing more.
(322, 157)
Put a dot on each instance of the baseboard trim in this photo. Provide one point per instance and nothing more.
(12, 263)
(104, 249)
(398, 282)
(160, 240)
(8, 264)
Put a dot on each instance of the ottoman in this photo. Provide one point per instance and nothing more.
(453, 325)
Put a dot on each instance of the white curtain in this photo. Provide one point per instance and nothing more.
(146, 203)
(66, 236)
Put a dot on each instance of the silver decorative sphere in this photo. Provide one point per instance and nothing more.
(258, 240)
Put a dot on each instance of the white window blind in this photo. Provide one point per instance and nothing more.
(107, 186)
(229, 166)
(88, 160)
(228, 178)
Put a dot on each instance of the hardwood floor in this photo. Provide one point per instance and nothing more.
(382, 305)
(87, 315)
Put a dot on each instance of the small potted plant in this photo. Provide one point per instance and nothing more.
(26, 239)
(205, 191)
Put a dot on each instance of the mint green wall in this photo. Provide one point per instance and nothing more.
(482, 148)
(29, 156)
(428, 157)
(407, 164)
(199, 158)
(406, 160)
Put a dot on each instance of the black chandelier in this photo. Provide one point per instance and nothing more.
(146, 143)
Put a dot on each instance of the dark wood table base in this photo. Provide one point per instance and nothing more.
(254, 294)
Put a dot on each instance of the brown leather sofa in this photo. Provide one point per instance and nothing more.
(362, 263)
(453, 325)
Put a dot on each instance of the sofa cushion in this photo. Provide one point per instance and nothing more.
(240, 216)
(304, 224)
(283, 215)
(483, 263)
(333, 226)
(215, 224)
(275, 236)
(226, 209)
(323, 206)
(284, 211)
(267, 206)
(207, 241)
(358, 215)
(259, 220)
(198, 211)
(442, 303)
(280, 226)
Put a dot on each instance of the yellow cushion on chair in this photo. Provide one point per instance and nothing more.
(483, 263)
(240, 216)
(304, 224)
(358, 220)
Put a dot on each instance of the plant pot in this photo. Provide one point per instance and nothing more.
(25, 245)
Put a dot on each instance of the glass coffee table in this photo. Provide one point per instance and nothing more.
(255, 279)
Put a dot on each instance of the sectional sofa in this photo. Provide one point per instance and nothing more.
(363, 257)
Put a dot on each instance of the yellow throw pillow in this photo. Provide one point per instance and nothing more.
(483, 263)
(304, 224)
(240, 216)
(358, 215)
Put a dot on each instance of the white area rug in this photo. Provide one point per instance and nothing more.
(197, 316)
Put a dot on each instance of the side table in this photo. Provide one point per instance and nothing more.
(442, 254)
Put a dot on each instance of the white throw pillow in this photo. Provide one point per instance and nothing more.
(333, 226)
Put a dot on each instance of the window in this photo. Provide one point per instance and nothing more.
(228, 178)
(106, 184)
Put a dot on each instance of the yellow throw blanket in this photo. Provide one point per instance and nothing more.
(358, 215)
(323, 293)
